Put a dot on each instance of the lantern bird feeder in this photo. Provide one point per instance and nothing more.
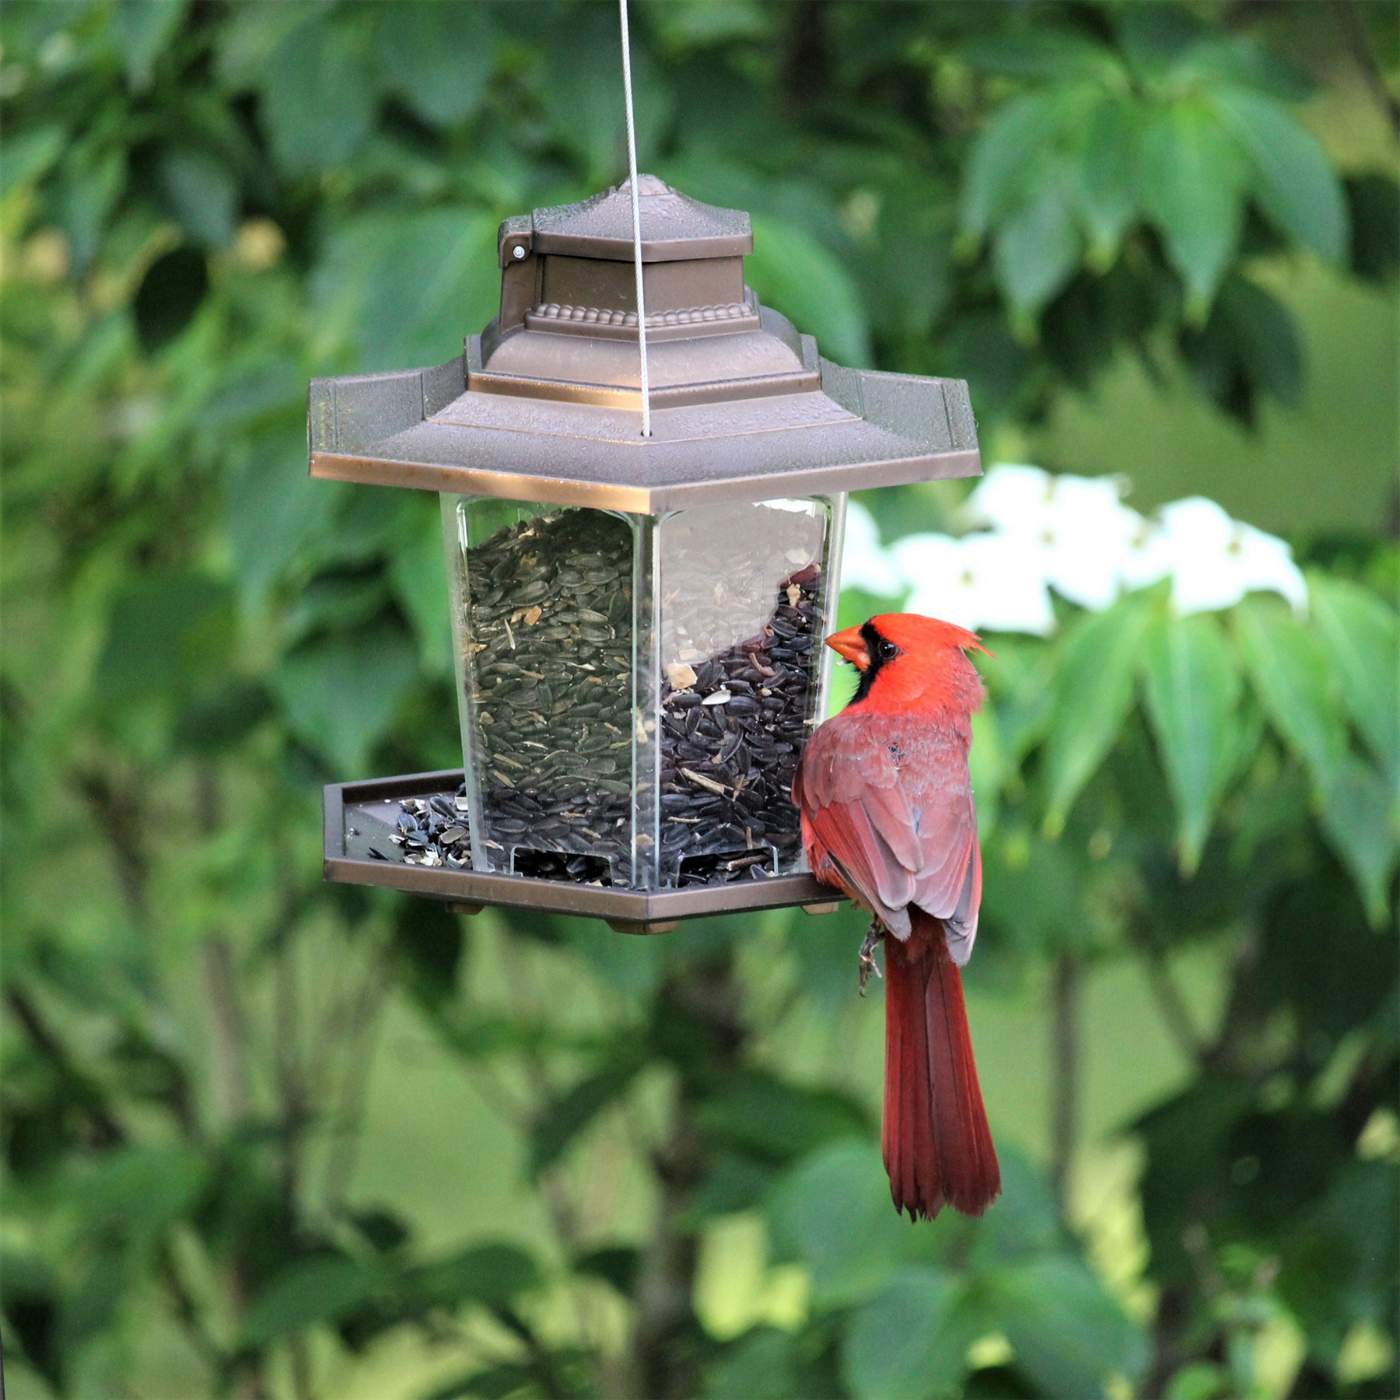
(637, 621)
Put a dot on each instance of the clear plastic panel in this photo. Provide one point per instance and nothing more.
(745, 597)
(543, 613)
(635, 690)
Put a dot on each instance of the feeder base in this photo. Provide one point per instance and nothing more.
(362, 815)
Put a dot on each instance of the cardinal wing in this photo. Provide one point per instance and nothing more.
(888, 814)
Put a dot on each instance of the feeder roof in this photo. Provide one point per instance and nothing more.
(674, 226)
(544, 405)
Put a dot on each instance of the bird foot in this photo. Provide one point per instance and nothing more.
(868, 965)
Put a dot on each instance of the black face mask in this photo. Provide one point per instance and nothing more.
(880, 652)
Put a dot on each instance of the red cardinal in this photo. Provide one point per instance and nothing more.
(888, 817)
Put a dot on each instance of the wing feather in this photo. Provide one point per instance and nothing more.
(888, 814)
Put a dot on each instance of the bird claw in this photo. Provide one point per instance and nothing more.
(867, 961)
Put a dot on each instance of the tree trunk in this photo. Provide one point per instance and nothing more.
(702, 1002)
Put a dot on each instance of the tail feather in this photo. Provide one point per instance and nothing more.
(937, 1144)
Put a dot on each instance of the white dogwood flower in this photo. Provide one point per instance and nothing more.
(1078, 527)
(865, 562)
(1212, 560)
(985, 582)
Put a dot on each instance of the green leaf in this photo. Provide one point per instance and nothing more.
(1008, 153)
(776, 1120)
(1373, 211)
(616, 1264)
(419, 580)
(166, 633)
(1362, 636)
(1296, 685)
(833, 1213)
(488, 1274)
(1201, 1380)
(169, 297)
(1241, 62)
(1192, 686)
(1019, 679)
(1193, 177)
(905, 1343)
(566, 1116)
(89, 182)
(1036, 249)
(202, 193)
(1067, 1330)
(1291, 176)
(760, 1365)
(140, 1190)
(274, 509)
(989, 766)
(1106, 186)
(1091, 693)
(144, 28)
(579, 93)
(308, 1291)
(247, 39)
(1264, 338)
(437, 57)
(318, 90)
(1155, 39)
(334, 603)
(794, 273)
(224, 718)
(1056, 54)
(1026, 1222)
(1361, 816)
(404, 287)
(28, 155)
(341, 692)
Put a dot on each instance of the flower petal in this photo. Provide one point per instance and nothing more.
(1266, 564)
(1007, 585)
(1011, 497)
(1196, 523)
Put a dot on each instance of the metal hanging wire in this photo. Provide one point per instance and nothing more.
(636, 218)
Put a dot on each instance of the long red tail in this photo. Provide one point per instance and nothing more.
(938, 1147)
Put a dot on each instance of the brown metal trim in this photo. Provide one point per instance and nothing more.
(654, 250)
(635, 908)
(663, 396)
(332, 824)
(661, 326)
(645, 500)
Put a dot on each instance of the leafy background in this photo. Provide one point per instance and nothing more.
(267, 1137)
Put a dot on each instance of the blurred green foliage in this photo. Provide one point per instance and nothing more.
(205, 204)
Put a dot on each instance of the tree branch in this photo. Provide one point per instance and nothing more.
(291, 1098)
(369, 1008)
(119, 815)
(108, 1134)
(1173, 1009)
(228, 1028)
(661, 1360)
(1358, 43)
(1064, 1060)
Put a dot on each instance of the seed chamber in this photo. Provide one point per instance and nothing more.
(635, 690)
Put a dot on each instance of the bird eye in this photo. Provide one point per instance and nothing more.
(887, 649)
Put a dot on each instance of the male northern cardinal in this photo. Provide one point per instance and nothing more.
(888, 817)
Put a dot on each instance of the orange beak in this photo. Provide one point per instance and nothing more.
(851, 646)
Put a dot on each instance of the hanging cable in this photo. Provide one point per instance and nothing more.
(636, 218)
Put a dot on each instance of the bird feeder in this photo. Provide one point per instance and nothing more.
(637, 621)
